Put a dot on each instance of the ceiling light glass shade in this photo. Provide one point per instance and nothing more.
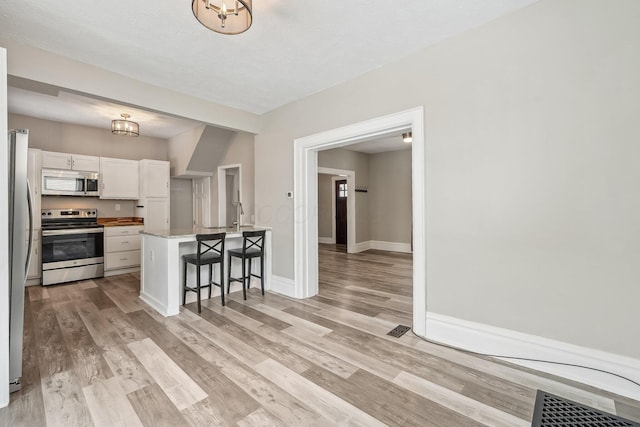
(124, 126)
(224, 16)
(407, 137)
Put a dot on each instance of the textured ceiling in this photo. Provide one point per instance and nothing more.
(294, 48)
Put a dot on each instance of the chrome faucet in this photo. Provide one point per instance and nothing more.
(239, 212)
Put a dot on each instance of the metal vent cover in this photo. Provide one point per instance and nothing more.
(399, 331)
(555, 411)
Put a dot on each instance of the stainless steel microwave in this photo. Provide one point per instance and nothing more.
(69, 183)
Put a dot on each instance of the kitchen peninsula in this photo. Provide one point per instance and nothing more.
(162, 267)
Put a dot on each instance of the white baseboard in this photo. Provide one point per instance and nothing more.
(488, 339)
(391, 246)
(327, 240)
(158, 305)
(283, 285)
(383, 246)
(362, 246)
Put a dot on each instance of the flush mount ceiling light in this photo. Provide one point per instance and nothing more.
(124, 126)
(224, 16)
(407, 137)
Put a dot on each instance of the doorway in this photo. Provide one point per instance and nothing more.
(340, 194)
(202, 202)
(229, 194)
(306, 205)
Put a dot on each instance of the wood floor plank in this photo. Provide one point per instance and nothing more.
(88, 362)
(461, 404)
(154, 408)
(325, 403)
(209, 378)
(260, 316)
(64, 402)
(175, 382)
(108, 404)
(260, 417)
(99, 298)
(385, 401)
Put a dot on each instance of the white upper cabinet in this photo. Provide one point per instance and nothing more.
(154, 178)
(119, 179)
(53, 160)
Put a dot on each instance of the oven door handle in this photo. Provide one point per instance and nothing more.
(72, 231)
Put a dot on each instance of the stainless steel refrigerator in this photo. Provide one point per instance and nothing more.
(20, 242)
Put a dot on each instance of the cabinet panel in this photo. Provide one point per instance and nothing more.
(123, 243)
(155, 213)
(125, 259)
(53, 160)
(85, 163)
(126, 230)
(154, 178)
(119, 179)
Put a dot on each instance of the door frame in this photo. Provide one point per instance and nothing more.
(351, 204)
(306, 201)
(222, 191)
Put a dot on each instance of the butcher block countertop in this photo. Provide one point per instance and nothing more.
(120, 221)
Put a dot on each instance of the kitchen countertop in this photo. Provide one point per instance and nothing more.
(180, 233)
(120, 221)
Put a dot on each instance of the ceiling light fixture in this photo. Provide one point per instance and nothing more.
(124, 126)
(217, 16)
(407, 137)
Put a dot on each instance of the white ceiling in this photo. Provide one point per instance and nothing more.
(294, 48)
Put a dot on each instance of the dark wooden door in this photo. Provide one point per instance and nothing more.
(341, 212)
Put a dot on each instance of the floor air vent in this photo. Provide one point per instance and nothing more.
(554, 411)
(399, 331)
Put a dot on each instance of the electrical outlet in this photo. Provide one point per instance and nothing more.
(117, 206)
(289, 194)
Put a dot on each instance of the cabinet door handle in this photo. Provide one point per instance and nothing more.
(124, 259)
(124, 243)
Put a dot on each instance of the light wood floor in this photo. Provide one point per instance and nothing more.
(96, 355)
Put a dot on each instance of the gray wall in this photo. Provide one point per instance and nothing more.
(69, 138)
(181, 209)
(339, 158)
(389, 196)
(325, 212)
(385, 208)
(532, 168)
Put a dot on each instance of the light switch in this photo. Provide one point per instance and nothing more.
(289, 194)
(117, 206)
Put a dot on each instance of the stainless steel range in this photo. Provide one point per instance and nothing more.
(72, 245)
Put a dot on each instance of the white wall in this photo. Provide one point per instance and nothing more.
(533, 207)
(4, 240)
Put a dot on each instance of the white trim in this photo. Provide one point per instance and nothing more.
(4, 239)
(305, 155)
(282, 285)
(222, 192)
(158, 305)
(488, 339)
(206, 202)
(390, 246)
(362, 246)
(327, 240)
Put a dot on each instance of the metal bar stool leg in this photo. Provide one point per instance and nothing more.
(222, 280)
(228, 273)
(184, 283)
(262, 272)
(198, 287)
(210, 279)
(244, 289)
(249, 275)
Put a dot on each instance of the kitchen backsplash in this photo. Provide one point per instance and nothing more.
(106, 208)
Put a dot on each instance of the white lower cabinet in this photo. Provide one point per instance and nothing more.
(122, 249)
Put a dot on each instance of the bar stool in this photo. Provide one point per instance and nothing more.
(252, 247)
(210, 251)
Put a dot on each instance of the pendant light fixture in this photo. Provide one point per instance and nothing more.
(407, 137)
(224, 16)
(124, 126)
